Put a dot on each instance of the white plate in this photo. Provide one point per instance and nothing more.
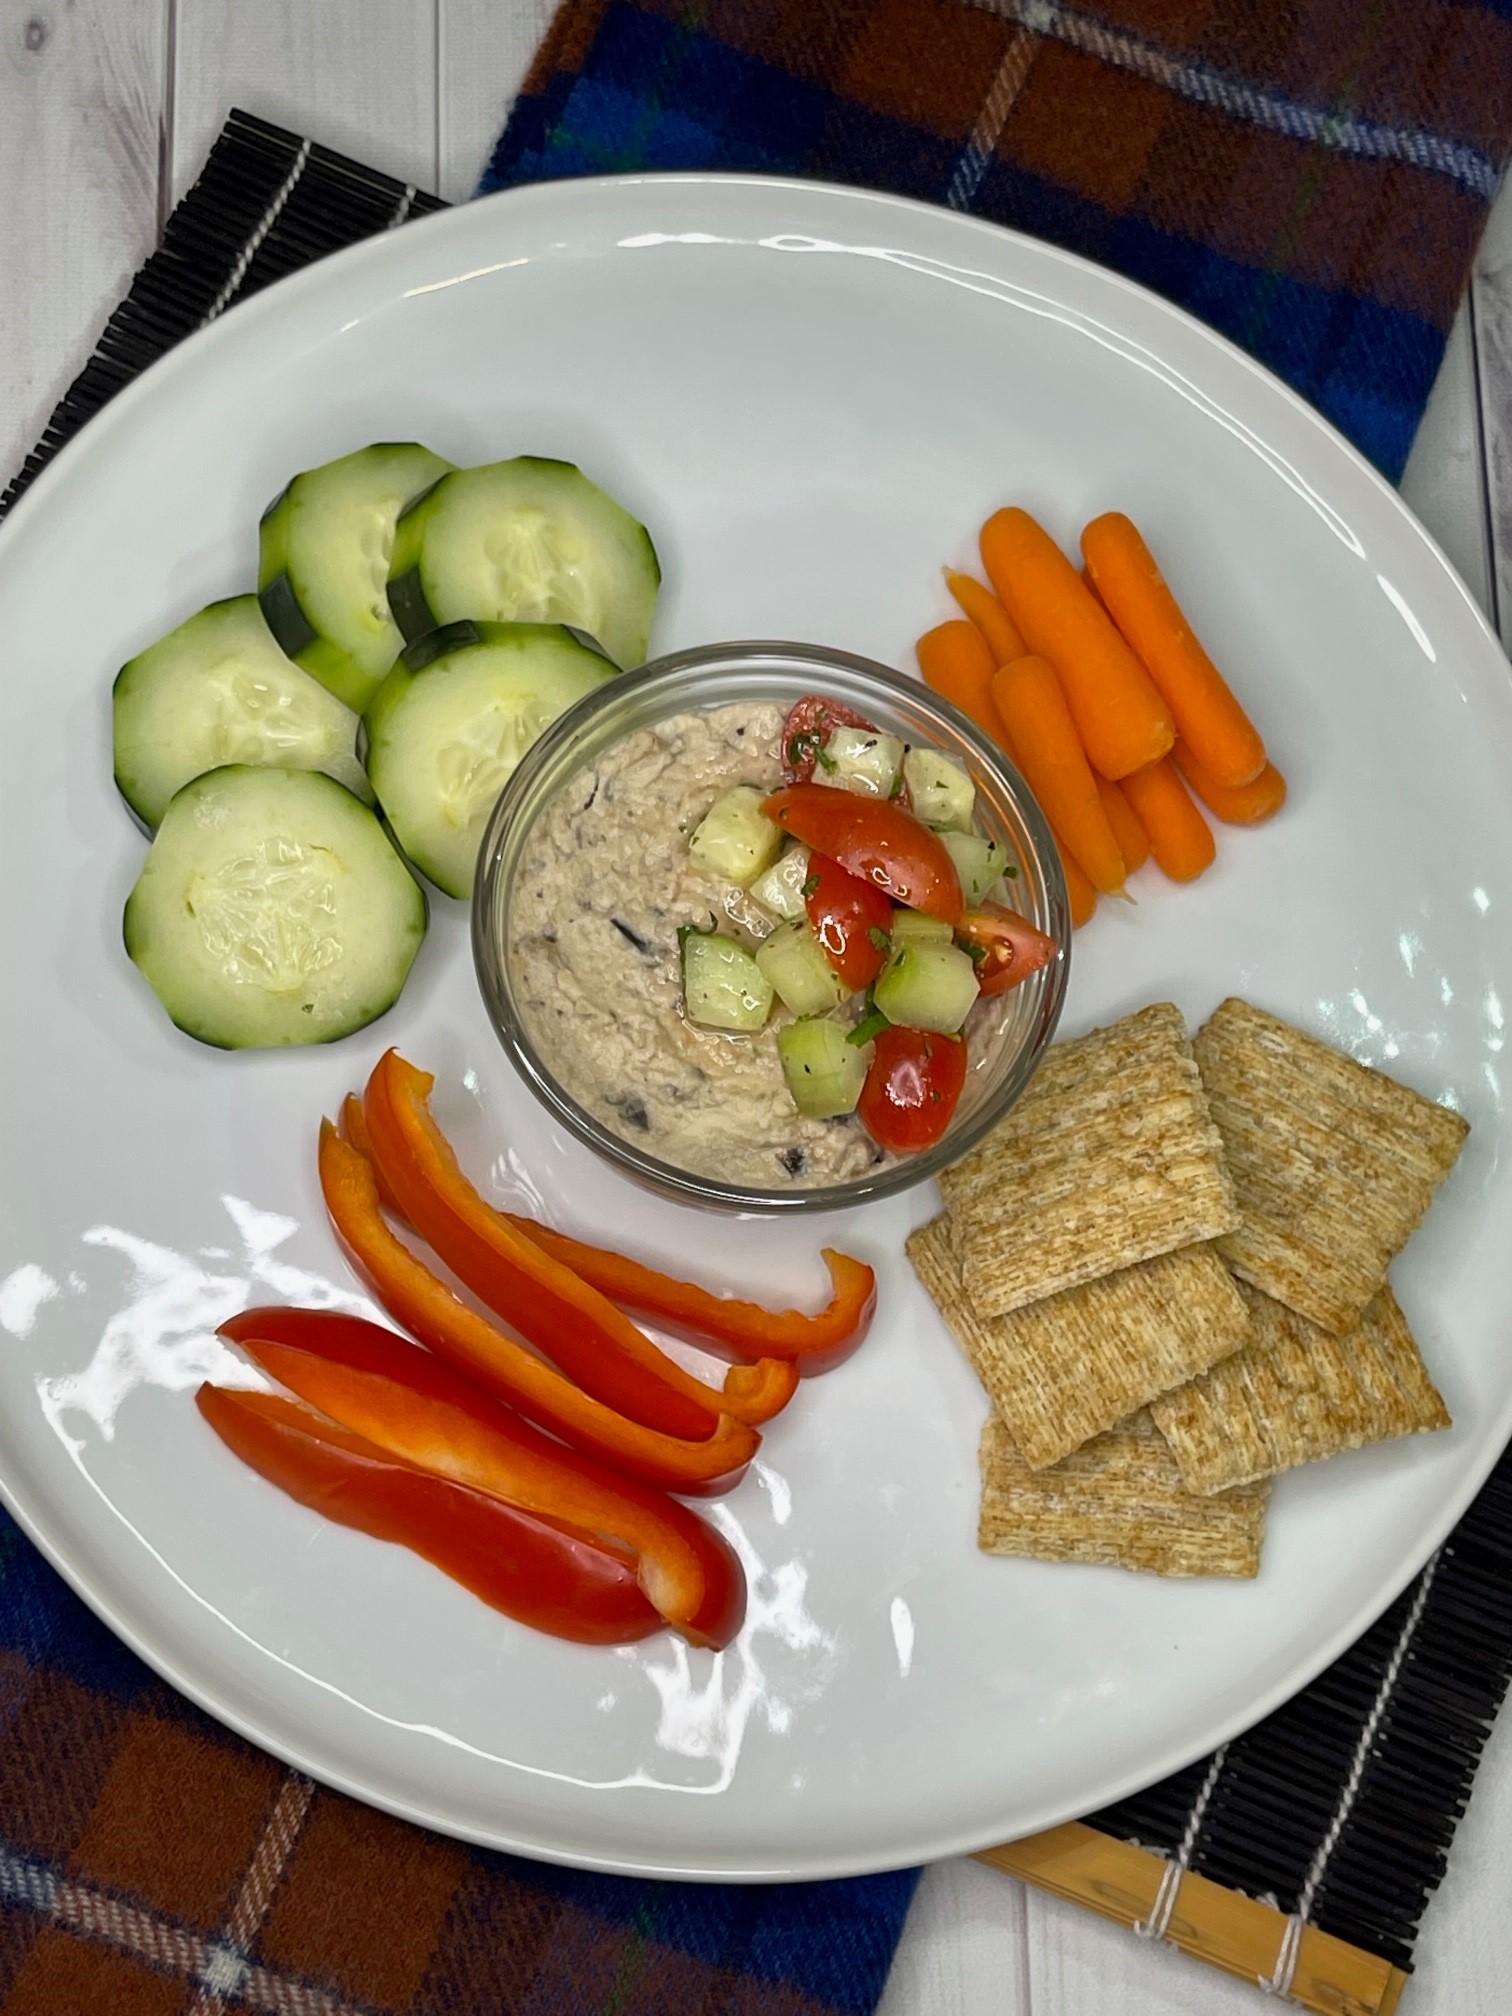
(813, 397)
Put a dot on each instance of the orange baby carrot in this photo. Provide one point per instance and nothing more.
(957, 665)
(1049, 752)
(989, 616)
(1207, 716)
(1079, 891)
(1180, 838)
(1237, 805)
(1133, 841)
(1121, 719)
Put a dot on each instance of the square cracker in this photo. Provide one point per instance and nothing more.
(1119, 1502)
(1109, 1158)
(1333, 1163)
(1296, 1394)
(1063, 1370)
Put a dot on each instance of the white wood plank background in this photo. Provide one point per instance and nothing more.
(106, 110)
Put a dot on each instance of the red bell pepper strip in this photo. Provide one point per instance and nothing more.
(569, 1321)
(719, 1323)
(499, 1363)
(876, 840)
(418, 1410)
(535, 1572)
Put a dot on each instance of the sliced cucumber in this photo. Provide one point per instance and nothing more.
(912, 927)
(453, 719)
(823, 1071)
(527, 541)
(862, 760)
(927, 987)
(723, 987)
(793, 961)
(218, 690)
(940, 791)
(978, 861)
(272, 910)
(780, 888)
(735, 838)
(322, 577)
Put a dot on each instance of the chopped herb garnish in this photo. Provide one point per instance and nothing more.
(879, 938)
(1011, 872)
(864, 1032)
(811, 886)
(975, 953)
(826, 762)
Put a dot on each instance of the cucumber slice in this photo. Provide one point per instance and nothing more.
(978, 861)
(793, 961)
(527, 541)
(940, 791)
(780, 888)
(324, 548)
(927, 987)
(723, 987)
(218, 690)
(823, 1071)
(272, 910)
(862, 760)
(453, 719)
(735, 838)
(912, 927)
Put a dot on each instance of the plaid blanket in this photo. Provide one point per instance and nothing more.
(1309, 178)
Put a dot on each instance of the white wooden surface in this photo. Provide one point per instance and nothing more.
(106, 110)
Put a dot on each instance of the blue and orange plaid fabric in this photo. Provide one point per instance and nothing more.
(1308, 176)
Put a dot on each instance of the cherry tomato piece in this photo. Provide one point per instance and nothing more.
(844, 912)
(876, 841)
(1007, 948)
(912, 1088)
(807, 728)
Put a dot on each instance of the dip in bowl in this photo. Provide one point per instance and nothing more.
(586, 880)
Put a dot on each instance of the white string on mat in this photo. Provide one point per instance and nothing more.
(1158, 1922)
(265, 224)
(1279, 1981)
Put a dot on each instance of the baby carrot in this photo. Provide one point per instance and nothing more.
(1079, 891)
(1207, 716)
(989, 616)
(1180, 838)
(1237, 805)
(1048, 750)
(957, 665)
(1133, 841)
(1121, 719)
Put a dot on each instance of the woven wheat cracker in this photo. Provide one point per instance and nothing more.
(1333, 1163)
(1109, 1159)
(1119, 1502)
(1063, 1370)
(1296, 1394)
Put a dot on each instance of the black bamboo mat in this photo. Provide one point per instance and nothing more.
(1341, 1807)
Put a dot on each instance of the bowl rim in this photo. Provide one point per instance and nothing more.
(686, 1186)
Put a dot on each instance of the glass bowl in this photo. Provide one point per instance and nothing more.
(718, 675)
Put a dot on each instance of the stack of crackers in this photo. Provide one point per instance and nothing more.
(1168, 1268)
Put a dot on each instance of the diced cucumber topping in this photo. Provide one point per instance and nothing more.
(780, 888)
(526, 541)
(939, 790)
(273, 910)
(824, 1073)
(912, 927)
(218, 690)
(927, 987)
(723, 987)
(453, 719)
(978, 861)
(793, 961)
(324, 548)
(735, 838)
(861, 760)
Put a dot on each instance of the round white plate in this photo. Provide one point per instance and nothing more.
(812, 397)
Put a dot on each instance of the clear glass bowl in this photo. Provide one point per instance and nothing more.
(717, 675)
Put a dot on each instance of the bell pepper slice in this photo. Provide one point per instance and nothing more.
(552, 1580)
(499, 1363)
(419, 1410)
(720, 1323)
(566, 1318)
(875, 839)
